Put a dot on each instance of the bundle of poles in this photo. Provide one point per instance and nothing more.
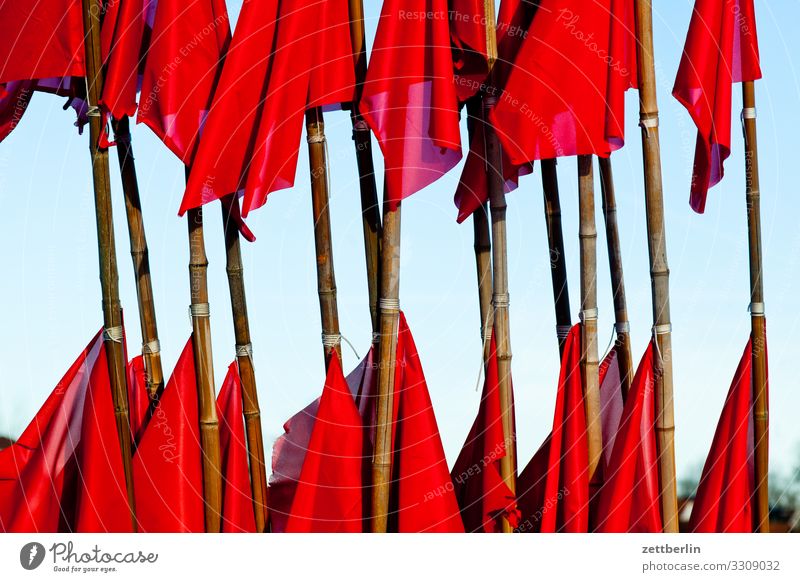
(382, 253)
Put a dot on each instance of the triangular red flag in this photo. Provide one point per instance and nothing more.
(65, 473)
(167, 469)
(725, 497)
(483, 496)
(409, 99)
(138, 399)
(329, 492)
(721, 49)
(611, 403)
(237, 497)
(629, 498)
(285, 57)
(182, 64)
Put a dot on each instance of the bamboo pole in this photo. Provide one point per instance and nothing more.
(109, 276)
(757, 313)
(500, 298)
(370, 211)
(589, 351)
(558, 259)
(151, 349)
(621, 325)
(244, 358)
(389, 307)
(659, 269)
(320, 197)
(204, 370)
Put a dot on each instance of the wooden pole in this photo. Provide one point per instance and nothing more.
(204, 370)
(659, 269)
(389, 307)
(621, 325)
(109, 275)
(370, 211)
(558, 259)
(151, 349)
(244, 357)
(320, 197)
(500, 298)
(589, 351)
(757, 312)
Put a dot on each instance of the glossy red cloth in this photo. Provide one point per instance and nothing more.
(65, 472)
(40, 40)
(565, 94)
(721, 49)
(186, 48)
(237, 497)
(286, 56)
(629, 498)
(422, 490)
(14, 99)
(138, 399)
(482, 495)
(468, 37)
(329, 492)
(167, 469)
(725, 497)
(409, 98)
(611, 403)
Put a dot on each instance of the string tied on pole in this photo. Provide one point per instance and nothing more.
(622, 327)
(588, 315)
(757, 309)
(501, 300)
(199, 310)
(114, 334)
(151, 347)
(648, 121)
(244, 351)
(389, 305)
(747, 113)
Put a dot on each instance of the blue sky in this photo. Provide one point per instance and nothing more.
(51, 294)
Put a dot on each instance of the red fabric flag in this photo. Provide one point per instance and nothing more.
(482, 494)
(422, 498)
(65, 472)
(409, 99)
(167, 469)
(611, 403)
(565, 93)
(329, 493)
(468, 37)
(724, 500)
(629, 498)
(40, 40)
(721, 49)
(138, 398)
(14, 99)
(185, 53)
(286, 56)
(237, 496)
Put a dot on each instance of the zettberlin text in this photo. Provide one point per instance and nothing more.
(667, 549)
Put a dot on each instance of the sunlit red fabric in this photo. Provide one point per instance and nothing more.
(725, 496)
(285, 57)
(138, 399)
(468, 37)
(65, 472)
(721, 49)
(409, 98)
(14, 99)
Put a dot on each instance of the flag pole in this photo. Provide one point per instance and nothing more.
(500, 299)
(109, 276)
(588, 314)
(370, 211)
(659, 270)
(558, 259)
(622, 326)
(151, 349)
(244, 358)
(320, 199)
(757, 313)
(204, 370)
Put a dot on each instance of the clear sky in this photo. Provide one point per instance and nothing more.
(50, 292)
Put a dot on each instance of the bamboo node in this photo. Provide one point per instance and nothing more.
(588, 315)
(114, 334)
(757, 309)
(244, 351)
(562, 331)
(389, 305)
(501, 300)
(199, 310)
(151, 347)
(761, 415)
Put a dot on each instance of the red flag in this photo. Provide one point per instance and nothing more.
(724, 500)
(330, 488)
(468, 37)
(422, 498)
(611, 403)
(14, 99)
(65, 472)
(237, 496)
(138, 398)
(482, 494)
(721, 49)
(167, 470)
(409, 98)
(285, 57)
(186, 47)
(565, 93)
(629, 498)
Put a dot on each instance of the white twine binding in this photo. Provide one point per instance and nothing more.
(658, 330)
(622, 327)
(113, 334)
(757, 309)
(588, 315)
(389, 305)
(244, 351)
(199, 310)
(747, 113)
(93, 111)
(648, 123)
(151, 347)
(501, 300)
